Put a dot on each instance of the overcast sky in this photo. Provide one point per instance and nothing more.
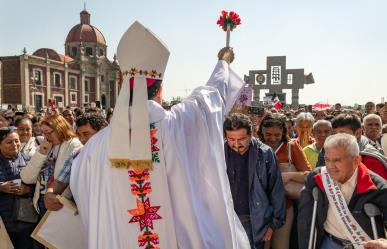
(343, 43)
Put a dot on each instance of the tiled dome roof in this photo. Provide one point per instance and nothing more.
(84, 32)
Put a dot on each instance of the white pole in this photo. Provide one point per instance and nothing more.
(228, 36)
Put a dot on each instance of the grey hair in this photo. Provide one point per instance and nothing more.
(320, 123)
(372, 116)
(304, 116)
(342, 140)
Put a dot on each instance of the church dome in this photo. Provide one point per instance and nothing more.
(85, 32)
(47, 52)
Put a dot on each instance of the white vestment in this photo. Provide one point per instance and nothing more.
(190, 189)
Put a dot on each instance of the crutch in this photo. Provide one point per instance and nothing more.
(372, 210)
(313, 232)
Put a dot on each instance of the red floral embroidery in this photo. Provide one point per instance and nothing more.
(145, 214)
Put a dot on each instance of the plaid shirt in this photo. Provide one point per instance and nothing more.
(64, 174)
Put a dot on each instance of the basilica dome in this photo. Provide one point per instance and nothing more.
(85, 32)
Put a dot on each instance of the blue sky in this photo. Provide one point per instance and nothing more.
(343, 43)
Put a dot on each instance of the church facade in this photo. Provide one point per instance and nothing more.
(82, 77)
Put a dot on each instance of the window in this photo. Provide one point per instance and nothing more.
(290, 79)
(59, 100)
(57, 79)
(102, 78)
(73, 97)
(86, 99)
(89, 51)
(87, 85)
(101, 52)
(73, 82)
(37, 77)
(275, 75)
(74, 51)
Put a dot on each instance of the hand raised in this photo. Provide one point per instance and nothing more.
(226, 54)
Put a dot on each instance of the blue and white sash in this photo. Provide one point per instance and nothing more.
(352, 229)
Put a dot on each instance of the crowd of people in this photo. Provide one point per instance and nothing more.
(278, 163)
(278, 148)
(298, 142)
(35, 158)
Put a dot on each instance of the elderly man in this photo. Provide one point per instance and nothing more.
(371, 157)
(69, 116)
(373, 130)
(344, 186)
(321, 130)
(255, 180)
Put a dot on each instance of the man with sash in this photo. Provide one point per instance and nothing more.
(345, 185)
(155, 178)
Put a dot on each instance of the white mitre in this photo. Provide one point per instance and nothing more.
(142, 58)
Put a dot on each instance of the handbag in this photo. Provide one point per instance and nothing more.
(25, 210)
(5, 241)
(292, 188)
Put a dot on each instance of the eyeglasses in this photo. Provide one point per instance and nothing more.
(47, 134)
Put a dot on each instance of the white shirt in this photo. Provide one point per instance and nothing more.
(332, 225)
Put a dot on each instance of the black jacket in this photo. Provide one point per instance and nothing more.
(370, 188)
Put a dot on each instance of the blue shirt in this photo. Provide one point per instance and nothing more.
(65, 173)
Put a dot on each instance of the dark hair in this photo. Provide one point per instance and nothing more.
(36, 119)
(152, 90)
(236, 121)
(78, 112)
(22, 120)
(5, 131)
(93, 110)
(346, 120)
(96, 120)
(273, 121)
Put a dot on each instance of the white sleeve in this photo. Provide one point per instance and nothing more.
(30, 173)
(228, 83)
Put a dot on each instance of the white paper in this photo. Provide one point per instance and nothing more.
(61, 229)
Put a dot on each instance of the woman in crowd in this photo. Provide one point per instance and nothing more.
(36, 131)
(293, 165)
(28, 142)
(304, 123)
(12, 190)
(59, 142)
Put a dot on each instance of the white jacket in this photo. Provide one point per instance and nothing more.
(31, 172)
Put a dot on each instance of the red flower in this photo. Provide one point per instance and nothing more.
(232, 19)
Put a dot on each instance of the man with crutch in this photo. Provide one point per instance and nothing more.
(344, 186)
